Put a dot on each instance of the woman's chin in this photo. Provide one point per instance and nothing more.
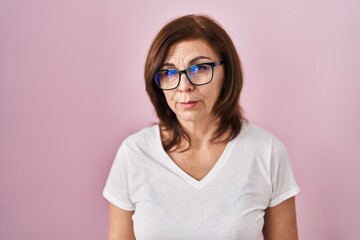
(188, 118)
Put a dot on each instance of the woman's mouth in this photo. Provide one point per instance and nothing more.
(189, 104)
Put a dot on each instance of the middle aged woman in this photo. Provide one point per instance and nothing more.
(204, 172)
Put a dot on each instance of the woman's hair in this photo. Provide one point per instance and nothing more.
(227, 108)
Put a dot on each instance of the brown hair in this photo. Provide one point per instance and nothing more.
(227, 107)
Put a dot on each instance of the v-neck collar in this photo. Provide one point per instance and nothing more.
(198, 184)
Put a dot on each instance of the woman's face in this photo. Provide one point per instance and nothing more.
(193, 103)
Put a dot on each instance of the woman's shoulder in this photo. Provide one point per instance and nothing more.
(251, 129)
(144, 136)
(257, 140)
(257, 134)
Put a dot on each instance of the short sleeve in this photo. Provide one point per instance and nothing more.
(283, 181)
(116, 188)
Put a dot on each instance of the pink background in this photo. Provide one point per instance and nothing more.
(71, 88)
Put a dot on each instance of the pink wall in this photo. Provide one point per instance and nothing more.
(71, 89)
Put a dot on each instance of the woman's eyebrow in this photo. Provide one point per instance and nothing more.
(167, 65)
(192, 61)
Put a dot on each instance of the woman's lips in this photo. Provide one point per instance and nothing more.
(189, 104)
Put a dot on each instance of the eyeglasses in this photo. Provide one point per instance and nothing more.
(198, 74)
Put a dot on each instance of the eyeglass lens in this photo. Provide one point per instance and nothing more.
(198, 74)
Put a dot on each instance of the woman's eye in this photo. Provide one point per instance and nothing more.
(198, 68)
(170, 73)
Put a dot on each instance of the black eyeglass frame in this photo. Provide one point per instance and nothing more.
(180, 72)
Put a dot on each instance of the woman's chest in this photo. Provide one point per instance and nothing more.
(229, 207)
(198, 163)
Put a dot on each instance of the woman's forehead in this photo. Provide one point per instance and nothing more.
(189, 51)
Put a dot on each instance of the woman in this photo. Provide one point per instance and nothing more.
(204, 172)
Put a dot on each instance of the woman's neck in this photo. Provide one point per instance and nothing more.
(201, 135)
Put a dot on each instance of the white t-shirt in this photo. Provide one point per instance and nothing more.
(253, 173)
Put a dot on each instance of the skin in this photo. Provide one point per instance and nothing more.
(120, 224)
(280, 221)
(199, 114)
(193, 107)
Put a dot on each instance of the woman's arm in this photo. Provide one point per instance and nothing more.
(120, 224)
(280, 221)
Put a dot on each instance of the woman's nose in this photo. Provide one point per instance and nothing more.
(185, 85)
